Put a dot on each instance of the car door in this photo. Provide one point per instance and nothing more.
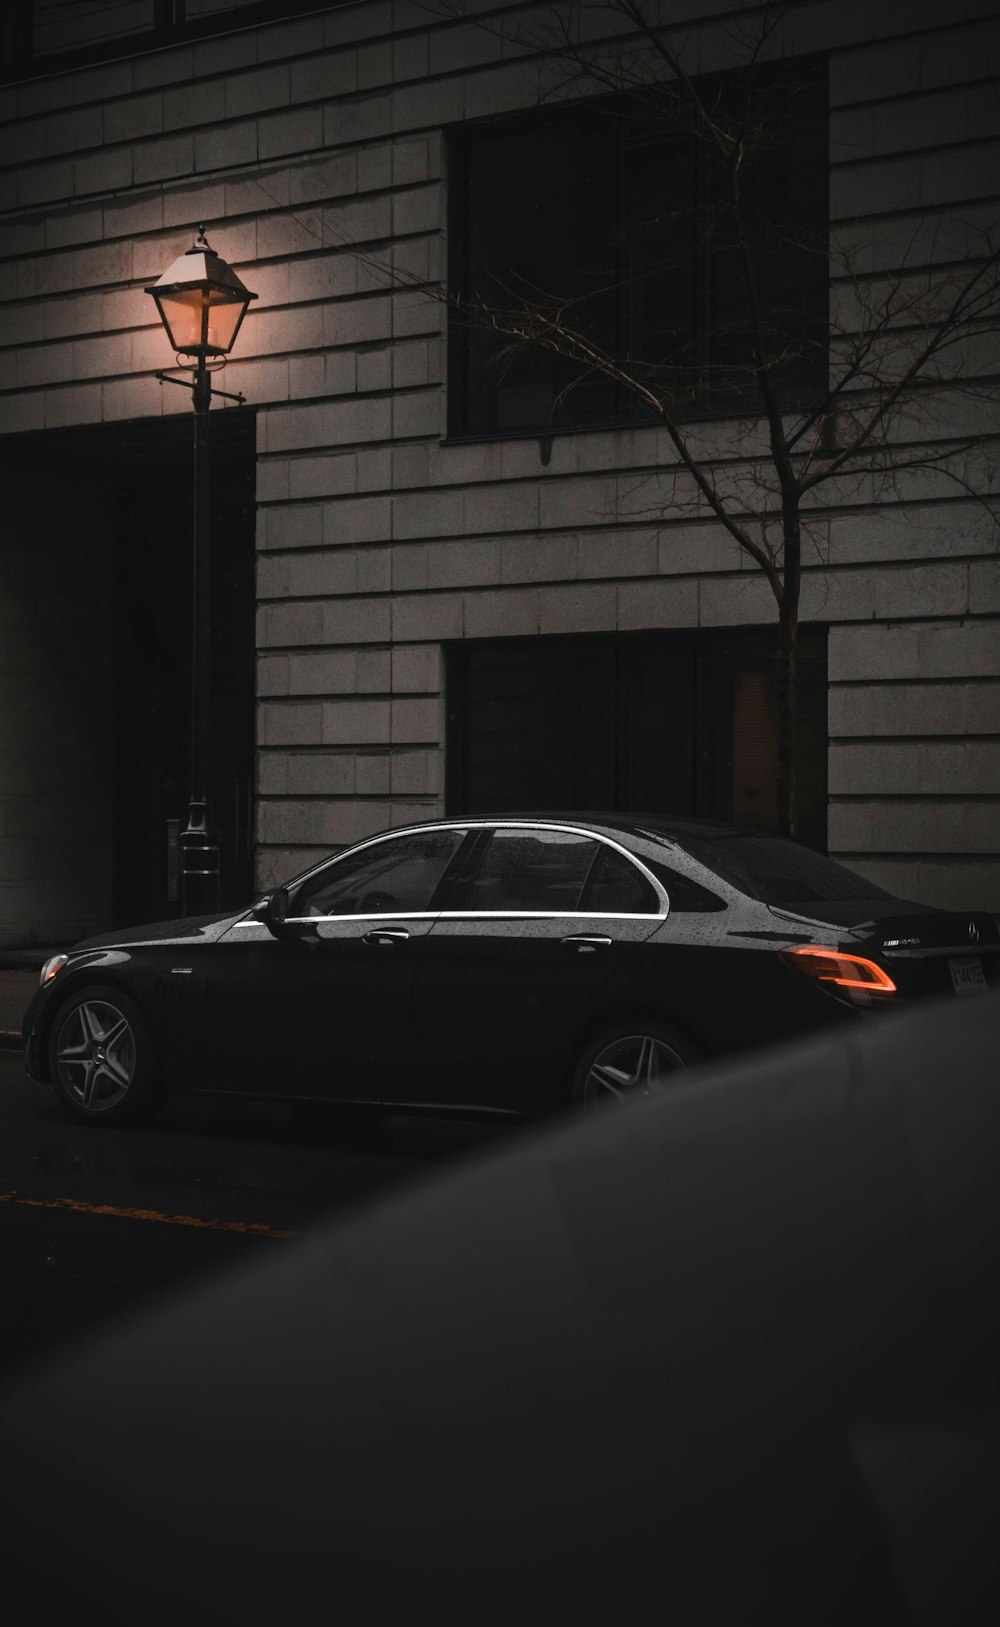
(326, 1010)
(542, 937)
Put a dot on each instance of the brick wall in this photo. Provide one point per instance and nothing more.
(378, 539)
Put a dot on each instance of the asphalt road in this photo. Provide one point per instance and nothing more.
(92, 1220)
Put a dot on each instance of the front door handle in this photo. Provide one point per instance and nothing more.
(587, 944)
(386, 935)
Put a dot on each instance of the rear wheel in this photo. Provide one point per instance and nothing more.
(629, 1062)
(101, 1057)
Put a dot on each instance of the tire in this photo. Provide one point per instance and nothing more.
(632, 1060)
(101, 1057)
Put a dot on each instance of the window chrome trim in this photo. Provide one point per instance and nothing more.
(545, 915)
(378, 915)
(468, 825)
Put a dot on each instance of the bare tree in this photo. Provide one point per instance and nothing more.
(887, 386)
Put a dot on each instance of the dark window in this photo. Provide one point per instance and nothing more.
(616, 887)
(532, 870)
(621, 216)
(673, 722)
(54, 34)
(67, 25)
(389, 878)
(780, 872)
(685, 896)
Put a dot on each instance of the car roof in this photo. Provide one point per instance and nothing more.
(686, 824)
(669, 825)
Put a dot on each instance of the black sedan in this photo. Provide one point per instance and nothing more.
(511, 965)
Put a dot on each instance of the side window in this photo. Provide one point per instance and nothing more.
(395, 876)
(684, 896)
(616, 887)
(532, 870)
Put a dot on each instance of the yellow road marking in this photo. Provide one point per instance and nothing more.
(247, 1227)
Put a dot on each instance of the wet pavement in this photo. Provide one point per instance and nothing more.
(96, 1219)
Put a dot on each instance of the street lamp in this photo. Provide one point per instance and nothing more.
(202, 303)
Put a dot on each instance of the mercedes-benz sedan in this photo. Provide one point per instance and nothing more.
(509, 964)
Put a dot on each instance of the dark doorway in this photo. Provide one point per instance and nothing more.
(671, 722)
(135, 519)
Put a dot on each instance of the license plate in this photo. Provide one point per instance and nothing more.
(967, 976)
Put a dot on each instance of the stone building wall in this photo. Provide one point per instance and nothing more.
(313, 150)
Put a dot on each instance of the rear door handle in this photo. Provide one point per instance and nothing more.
(386, 935)
(584, 943)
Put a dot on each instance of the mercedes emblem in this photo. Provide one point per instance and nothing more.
(973, 932)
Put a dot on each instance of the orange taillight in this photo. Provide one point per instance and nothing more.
(842, 970)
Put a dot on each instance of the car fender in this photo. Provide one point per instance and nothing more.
(48, 1000)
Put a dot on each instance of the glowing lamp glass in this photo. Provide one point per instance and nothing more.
(201, 302)
(841, 970)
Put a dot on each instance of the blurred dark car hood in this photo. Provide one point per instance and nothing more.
(721, 1357)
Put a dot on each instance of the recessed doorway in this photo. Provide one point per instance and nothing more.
(96, 624)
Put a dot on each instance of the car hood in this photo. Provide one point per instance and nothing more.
(190, 929)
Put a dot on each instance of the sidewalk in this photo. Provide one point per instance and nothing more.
(19, 969)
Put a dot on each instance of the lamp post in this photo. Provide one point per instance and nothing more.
(201, 302)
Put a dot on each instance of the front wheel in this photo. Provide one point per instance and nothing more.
(101, 1057)
(629, 1062)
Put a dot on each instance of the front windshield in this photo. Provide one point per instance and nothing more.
(777, 871)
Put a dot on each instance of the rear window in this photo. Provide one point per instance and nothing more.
(777, 871)
(616, 887)
(685, 895)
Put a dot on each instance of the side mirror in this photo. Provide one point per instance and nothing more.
(271, 912)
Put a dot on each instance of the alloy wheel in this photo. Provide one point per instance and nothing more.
(96, 1056)
(632, 1066)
